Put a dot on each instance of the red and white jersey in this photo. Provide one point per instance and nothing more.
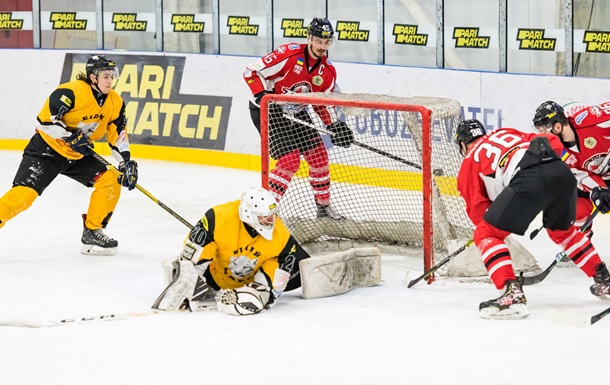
(589, 159)
(290, 69)
(490, 165)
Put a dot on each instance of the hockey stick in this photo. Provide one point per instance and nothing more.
(440, 264)
(535, 279)
(436, 171)
(109, 166)
(29, 323)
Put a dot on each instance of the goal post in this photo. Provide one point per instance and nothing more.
(395, 185)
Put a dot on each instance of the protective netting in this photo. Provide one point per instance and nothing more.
(376, 185)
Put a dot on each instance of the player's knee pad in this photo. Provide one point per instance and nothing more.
(16, 200)
(485, 231)
(563, 237)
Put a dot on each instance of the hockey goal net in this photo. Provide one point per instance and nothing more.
(395, 185)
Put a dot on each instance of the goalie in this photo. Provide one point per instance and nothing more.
(240, 250)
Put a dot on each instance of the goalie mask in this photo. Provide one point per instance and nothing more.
(258, 209)
(468, 131)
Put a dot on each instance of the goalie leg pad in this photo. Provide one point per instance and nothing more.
(182, 287)
(339, 273)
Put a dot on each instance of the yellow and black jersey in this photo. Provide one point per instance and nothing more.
(237, 252)
(77, 106)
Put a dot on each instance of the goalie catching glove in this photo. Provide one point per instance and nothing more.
(129, 176)
(246, 300)
(601, 199)
(343, 135)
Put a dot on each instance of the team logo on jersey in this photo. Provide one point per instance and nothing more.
(240, 25)
(595, 110)
(242, 266)
(297, 88)
(281, 49)
(297, 69)
(469, 38)
(65, 100)
(128, 22)
(317, 80)
(7, 21)
(590, 142)
(407, 34)
(67, 20)
(293, 47)
(533, 39)
(597, 41)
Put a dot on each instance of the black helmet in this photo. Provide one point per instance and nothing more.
(321, 27)
(468, 130)
(98, 63)
(548, 113)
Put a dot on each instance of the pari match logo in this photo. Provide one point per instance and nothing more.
(468, 37)
(128, 22)
(533, 39)
(157, 113)
(293, 28)
(240, 25)
(407, 34)
(66, 20)
(350, 30)
(7, 21)
(597, 41)
(186, 23)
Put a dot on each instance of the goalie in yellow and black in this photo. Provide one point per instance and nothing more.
(239, 258)
(75, 115)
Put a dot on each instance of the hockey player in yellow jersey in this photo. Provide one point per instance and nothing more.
(75, 115)
(240, 250)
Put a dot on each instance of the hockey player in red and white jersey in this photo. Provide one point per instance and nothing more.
(585, 134)
(506, 179)
(299, 68)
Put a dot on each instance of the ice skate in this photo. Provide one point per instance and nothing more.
(95, 242)
(601, 287)
(510, 305)
(329, 212)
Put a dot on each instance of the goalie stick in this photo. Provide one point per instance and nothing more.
(30, 323)
(435, 172)
(535, 279)
(440, 264)
(109, 166)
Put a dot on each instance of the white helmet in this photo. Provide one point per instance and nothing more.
(256, 204)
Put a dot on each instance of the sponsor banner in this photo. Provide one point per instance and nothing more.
(536, 39)
(16, 20)
(130, 22)
(76, 21)
(157, 113)
(243, 25)
(291, 28)
(187, 23)
(592, 41)
(411, 34)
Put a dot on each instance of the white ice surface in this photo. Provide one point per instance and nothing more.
(429, 334)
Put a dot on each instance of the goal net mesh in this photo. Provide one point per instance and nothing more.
(377, 185)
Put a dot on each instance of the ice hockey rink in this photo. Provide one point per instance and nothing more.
(388, 334)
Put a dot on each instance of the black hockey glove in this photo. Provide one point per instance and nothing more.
(129, 176)
(344, 137)
(79, 142)
(601, 198)
(260, 95)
